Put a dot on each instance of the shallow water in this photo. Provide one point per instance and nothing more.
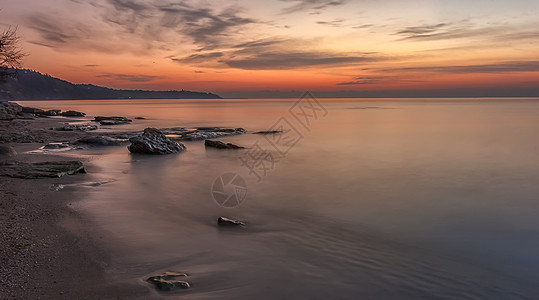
(379, 199)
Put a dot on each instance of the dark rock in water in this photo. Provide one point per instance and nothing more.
(7, 151)
(40, 112)
(9, 110)
(140, 118)
(111, 120)
(56, 146)
(204, 133)
(52, 112)
(153, 141)
(32, 110)
(223, 221)
(72, 113)
(101, 141)
(168, 281)
(221, 145)
(19, 169)
(268, 132)
(26, 116)
(77, 127)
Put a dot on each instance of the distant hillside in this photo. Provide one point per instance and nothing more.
(31, 85)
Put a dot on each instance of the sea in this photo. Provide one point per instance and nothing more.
(350, 199)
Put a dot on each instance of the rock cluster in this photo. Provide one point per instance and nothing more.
(9, 110)
(111, 120)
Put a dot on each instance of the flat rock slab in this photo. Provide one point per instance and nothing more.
(168, 281)
(221, 145)
(202, 133)
(226, 222)
(77, 127)
(50, 169)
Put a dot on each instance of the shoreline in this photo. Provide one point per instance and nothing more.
(48, 249)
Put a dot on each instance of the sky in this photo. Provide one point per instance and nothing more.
(274, 48)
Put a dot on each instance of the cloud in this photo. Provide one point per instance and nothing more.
(129, 77)
(54, 32)
(140, 26)
(206, 27)
(334, 23)
(363, 80)
(198, 58)
(292, 60)
(503, 67)
(304, 5)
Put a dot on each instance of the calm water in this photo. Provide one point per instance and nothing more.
(378, 200)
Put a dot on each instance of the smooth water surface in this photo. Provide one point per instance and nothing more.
(378, 199)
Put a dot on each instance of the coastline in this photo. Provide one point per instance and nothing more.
(48, 250)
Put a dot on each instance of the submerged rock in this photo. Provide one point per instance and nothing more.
(204, 133)
(268, 132)
(111, 120)
(101, 141)
(153, 141)
(168, 281)
(72, 113)
(32, 110)
(7, 151)
(56, 146)
(221, 145)
(223, 221)
(77, 127)
(9, 110)
(19, 169)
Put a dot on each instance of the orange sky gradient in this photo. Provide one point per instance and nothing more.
(238, 48)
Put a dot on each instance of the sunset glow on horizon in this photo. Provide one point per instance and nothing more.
(238, 48)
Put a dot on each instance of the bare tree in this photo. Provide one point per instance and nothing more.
(11, 53)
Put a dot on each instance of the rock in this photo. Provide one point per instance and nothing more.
(19, 169)
(204, 133)
(32, 110)
(20, 137)
(140, 118)
(153, 141)
(221, 145)
(7, 151)
(72, 113)
(223, 221)
(56, 146)
(168, 281)
(268, 132)
(101, 141)
(52, 112)
(9, 110)
(26, 116)
(111, 120)
(77, 127)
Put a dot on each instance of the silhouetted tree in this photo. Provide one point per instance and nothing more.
(11, 53)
